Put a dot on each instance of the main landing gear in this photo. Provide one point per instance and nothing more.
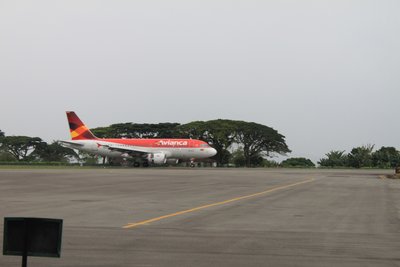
(137, 164)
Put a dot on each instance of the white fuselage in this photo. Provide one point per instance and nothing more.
(110, 149)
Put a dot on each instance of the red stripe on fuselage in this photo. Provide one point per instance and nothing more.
(162, 143)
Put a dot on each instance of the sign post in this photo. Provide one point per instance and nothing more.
(38, 237)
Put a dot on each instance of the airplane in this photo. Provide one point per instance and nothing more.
(157, 151)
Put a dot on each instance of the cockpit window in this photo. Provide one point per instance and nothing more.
(204, 145)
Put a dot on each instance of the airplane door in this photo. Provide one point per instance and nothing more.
(190, 150)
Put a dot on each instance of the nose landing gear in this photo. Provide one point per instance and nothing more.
(192, 163)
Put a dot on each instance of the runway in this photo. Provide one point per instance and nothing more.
(210, 217)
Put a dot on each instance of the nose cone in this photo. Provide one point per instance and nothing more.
(212, 151)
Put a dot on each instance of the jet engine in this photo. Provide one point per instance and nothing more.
(157, 158)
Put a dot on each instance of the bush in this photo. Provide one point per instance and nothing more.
(298, 163)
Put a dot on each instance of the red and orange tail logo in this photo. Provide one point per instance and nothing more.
(77, 128)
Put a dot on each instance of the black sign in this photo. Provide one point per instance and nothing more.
(32, 237)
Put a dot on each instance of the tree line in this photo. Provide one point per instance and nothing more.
(238, 143)
(362, 157)
(244, 143)
(33, 149)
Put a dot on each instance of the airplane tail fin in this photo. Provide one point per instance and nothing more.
(77, 128)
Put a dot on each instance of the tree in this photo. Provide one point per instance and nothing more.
(361, 156)
(333, 159)
(220, 134)
(6, 157)
(137, 130)
(53, 152)
(2, 133)
(259, 140)
(298, 162)
(19, 146)
(88, 159)
(270, 164)
(386, 157)
(239, 160)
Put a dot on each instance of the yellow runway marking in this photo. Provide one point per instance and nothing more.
(132, 225)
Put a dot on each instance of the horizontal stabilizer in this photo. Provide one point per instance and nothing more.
(70, 143)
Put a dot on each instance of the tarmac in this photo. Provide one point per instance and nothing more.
(210, 217)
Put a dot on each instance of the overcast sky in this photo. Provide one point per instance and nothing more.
(325, 74)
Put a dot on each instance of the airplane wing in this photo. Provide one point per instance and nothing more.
(128, 149)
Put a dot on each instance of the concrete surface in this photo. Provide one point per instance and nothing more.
(334, 218)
